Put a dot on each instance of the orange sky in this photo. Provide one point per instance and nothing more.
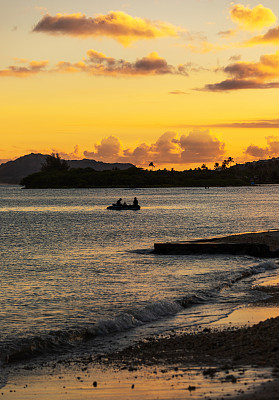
(178, 83)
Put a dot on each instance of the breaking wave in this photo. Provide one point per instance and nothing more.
(65, 339)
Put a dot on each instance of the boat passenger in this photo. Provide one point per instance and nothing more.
(135, 202)
(118, 203)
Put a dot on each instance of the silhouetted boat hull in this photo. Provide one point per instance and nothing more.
(124, 207)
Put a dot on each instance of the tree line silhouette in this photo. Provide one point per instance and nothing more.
(55, 173)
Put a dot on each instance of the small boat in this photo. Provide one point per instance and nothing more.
(124, 207)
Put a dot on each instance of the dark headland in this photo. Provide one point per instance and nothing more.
(258, 244)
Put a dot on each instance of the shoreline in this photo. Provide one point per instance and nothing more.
(217, 361)
(235, 357)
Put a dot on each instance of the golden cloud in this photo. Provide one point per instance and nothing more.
(33, 67)
(117, 25)
(197, 146)
(253, 19)
(99, 64)
(247, 75)
(271, 37)
(74, 155)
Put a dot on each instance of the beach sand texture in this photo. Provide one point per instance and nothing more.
(241, 363)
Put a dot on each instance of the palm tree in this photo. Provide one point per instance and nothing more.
(230, 160)
(224, 164)
(152, 165)
(216, 165)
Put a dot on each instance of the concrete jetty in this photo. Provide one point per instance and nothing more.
(259, 244)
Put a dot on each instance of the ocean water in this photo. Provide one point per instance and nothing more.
(77, 277)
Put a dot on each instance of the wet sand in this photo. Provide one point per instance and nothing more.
(212, 363)
(144, 383)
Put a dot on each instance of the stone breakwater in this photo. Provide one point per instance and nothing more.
(258, 244)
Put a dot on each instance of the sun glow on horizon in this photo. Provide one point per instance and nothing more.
(140, 74)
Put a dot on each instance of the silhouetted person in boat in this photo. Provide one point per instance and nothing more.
(135, 202)
(118, 203)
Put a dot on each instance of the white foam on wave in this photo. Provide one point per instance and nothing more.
(132, 319)
(62, 339)
(264, 266)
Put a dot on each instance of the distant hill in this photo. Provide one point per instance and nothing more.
(14, 171)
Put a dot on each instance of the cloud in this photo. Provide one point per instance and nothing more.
(205, 47)
(109, 149)
(201, 145)
(75, 155)
(227, 34)
(256, 151)
(271, 37)
(255, 124)
(253, 19)
(99, 64)
(271, 150)
(248, 75)
(177, 92)
(235, 58)
(238, 84)
(32, 68)
(117, 25)
(197, 146)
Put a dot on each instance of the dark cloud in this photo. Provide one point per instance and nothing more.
(117, 25)
(248, 75)
(256, 151)
(237, 84)
(151, 63)
(99, 64)
(271, 150)
(271, 37)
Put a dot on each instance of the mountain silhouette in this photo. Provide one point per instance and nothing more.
(13, 171)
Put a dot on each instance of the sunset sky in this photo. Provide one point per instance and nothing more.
(179, 83)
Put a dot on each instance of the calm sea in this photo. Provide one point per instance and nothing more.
(77, 276)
